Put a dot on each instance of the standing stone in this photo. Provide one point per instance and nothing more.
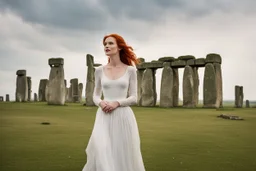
(148, 94)
(42, 90)
(239, 96)
(66, 94)
(175, 87)
(75, 91)
(70, 93)
(196, 85)
(1, 98)
(21, 94)
(166, 91)
(29, 88)
(7, 97)
(139, 82)
(66, 91)
(247, 104)
(188, 87)
(35, 97)
(213, 58)
(80, 88)
(218, 77)
(90, 81)
(209, 87)
(55, 92)
(65, 83)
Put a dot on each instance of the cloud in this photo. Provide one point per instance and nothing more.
(63, 14)
(31, 32)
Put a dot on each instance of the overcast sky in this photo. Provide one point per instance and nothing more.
(33, 31)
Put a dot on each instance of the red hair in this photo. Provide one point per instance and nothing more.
(127, 55)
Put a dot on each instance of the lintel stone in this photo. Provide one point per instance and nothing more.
(21, 72)
(96, 65)
(213, 58)
(178, 64)
(200, 62)
(141, 60)
(56, 61)
(186, 57)
(152, 65)
(166, 59)
(191, 62)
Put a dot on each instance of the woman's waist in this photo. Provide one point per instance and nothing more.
(113, 99)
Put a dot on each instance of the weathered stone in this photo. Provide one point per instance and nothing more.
(247, 104)
(35, 97)
(75, 90)
(69, 94)
(80, 88)
(191, 62)
(152, 65)
(55, 88)
(65, 83)
(218, 78)
(41, 90)
(139, 82)
(239, 96)
(188, 87)
(167, 59)
(175, 87)
(21, 94)
(29, 88)
(56, 62)
(209, 87)
(90, 81)
(1, 98)
(141, 60)
(200, 62)
(166, 91)
(148, 86)
(97, 65)
(178, 64)
(7, 97)
(89, 60)
(196, 85)
(154, 83)
(213, 58)
(21, 72)
(186, 57)
(156, 61)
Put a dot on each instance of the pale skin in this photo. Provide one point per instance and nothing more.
(113, 70)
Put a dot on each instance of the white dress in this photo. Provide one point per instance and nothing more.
(114, 144)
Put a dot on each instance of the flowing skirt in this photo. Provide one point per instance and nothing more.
(115, 143)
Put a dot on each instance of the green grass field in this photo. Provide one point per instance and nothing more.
(173, 139)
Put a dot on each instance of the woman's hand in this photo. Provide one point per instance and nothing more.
(110, 106)
(103, 104)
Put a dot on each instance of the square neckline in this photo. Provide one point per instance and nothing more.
(103, 73)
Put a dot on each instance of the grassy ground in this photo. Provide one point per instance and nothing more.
(172, 139)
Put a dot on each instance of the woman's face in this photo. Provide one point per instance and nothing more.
(110, 46)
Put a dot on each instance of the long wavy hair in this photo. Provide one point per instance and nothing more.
(127, 56)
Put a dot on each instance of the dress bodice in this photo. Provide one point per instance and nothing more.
(122, 89)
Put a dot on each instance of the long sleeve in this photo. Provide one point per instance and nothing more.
(132, 94)
(97, 88)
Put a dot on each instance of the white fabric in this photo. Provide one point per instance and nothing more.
(115, 143)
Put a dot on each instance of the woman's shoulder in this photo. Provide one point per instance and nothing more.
(131, 69)
(98, 70)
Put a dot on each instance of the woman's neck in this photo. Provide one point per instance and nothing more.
(115, 61)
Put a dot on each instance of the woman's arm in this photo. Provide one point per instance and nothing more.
(97, 88)
(132, 94)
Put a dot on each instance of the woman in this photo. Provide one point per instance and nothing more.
(115, 143)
